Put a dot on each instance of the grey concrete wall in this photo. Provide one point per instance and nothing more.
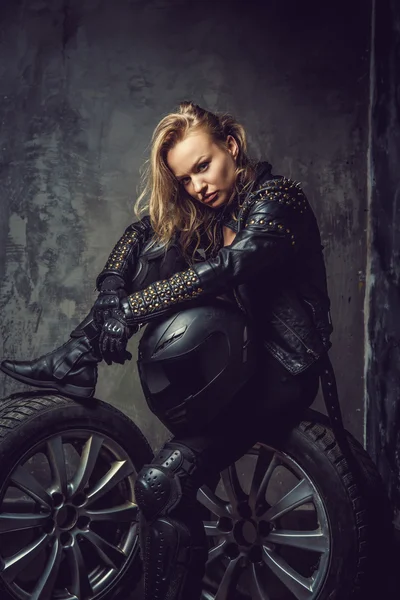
(383, 300)
(83, 84)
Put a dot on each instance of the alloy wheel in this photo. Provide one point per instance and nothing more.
(269, 533)
(68, 518)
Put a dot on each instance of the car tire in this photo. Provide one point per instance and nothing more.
(352, 512)
(37, 432)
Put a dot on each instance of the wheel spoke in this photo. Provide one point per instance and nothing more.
(19, 521)
(301, 587)
(315, 541)
(45, 586)
(232, 486)
(125, 513)
(299, 495)
(117, 473)
(56, 458)
(216, 552)
(13, 565)
(80, 584)
(111, 555)
(27, 483)
(228, 584)
(211, 528)
(258, 590)
(87, 463)
(209, 500)
(267, 462)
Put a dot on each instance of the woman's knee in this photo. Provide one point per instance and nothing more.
(170, 480)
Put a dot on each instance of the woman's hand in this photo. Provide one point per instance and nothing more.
(106, 302)
(111, 292)
(114, 338)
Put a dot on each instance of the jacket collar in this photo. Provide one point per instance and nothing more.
(263, 172)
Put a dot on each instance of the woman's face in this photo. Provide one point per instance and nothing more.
(205, 169)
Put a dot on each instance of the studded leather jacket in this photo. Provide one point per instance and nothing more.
(274, 268)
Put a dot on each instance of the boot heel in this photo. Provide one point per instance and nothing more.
(74, 390)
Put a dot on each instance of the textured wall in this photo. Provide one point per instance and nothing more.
(383, 300)
(82, 85)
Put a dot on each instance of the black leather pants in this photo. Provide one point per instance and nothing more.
(269, 406)
(172, 537)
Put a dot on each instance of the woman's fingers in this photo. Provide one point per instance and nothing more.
(112, 342)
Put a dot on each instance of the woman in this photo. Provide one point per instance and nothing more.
(231, 228)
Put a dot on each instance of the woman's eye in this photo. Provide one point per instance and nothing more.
(201, 167)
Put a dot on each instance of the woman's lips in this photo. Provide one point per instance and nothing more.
(211, 198)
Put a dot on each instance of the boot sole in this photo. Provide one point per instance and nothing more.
(71, 390)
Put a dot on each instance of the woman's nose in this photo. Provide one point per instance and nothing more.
(198, 185)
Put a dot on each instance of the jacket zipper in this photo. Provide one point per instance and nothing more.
(309, 351)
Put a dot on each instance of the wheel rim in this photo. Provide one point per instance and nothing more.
(257, 551)
(75, 530)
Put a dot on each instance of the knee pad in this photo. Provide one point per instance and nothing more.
(159, 486)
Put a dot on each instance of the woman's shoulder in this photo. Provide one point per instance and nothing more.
(276, 197)
(277, 186)
(268, 186)
(266, 183)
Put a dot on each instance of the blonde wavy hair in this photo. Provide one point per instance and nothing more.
(172, 210)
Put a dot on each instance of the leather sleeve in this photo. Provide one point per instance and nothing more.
(122, 260)
(267, 238)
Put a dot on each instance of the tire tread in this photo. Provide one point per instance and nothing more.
(324, 438)
(15, 412)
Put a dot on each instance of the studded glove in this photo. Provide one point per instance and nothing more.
(114, 338)
(112, 290)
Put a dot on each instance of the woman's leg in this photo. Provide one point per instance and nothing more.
(172, 536)
(72, 368)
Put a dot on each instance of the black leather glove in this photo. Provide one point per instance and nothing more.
(114, 337)
(108, 299)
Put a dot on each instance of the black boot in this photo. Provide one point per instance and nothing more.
(71, 368)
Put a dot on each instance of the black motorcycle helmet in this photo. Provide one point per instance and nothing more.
(192, 363)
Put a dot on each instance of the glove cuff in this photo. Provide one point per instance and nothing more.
(113, 283)
(129, 316)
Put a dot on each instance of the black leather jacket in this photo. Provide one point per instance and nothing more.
(274, 267)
